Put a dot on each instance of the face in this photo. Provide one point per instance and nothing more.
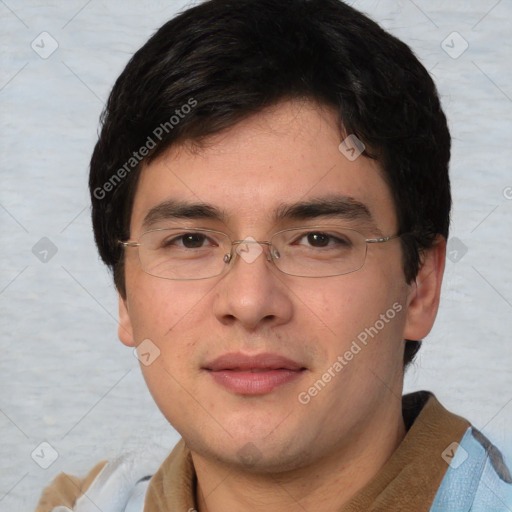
(258, 367)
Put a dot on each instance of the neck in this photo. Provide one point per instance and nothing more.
(324, 485)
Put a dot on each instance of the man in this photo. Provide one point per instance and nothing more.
(270, 188)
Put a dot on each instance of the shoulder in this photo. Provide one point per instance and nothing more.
(66, 489)
(110, 485)
(478, 478)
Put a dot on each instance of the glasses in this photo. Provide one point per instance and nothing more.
(183, 253)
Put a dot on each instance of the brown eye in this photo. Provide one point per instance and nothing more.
(193, 240)
(186, 240)
(318, 239)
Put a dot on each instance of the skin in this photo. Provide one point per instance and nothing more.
(306, 457)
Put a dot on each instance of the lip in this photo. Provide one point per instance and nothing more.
(253, 375)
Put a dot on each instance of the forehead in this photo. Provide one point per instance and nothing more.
(284, 156)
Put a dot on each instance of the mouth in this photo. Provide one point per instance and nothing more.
(253, 375)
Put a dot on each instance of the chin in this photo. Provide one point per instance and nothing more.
(255, 455)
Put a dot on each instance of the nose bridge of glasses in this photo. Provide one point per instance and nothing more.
(251, 240)
(237, 245)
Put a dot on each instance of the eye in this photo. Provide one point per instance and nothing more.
(319, 239)
(193, 240)
(187, 240)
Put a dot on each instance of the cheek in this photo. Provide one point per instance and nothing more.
(363, 305)
(167, 313)
(338, 305)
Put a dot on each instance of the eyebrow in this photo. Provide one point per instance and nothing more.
(172, 209)
(344, 208)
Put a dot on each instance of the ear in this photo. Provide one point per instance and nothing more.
(424, 295)
(125, 330)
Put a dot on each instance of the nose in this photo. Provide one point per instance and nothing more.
(252, 293)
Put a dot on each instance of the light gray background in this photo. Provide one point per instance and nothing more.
(65, 379)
